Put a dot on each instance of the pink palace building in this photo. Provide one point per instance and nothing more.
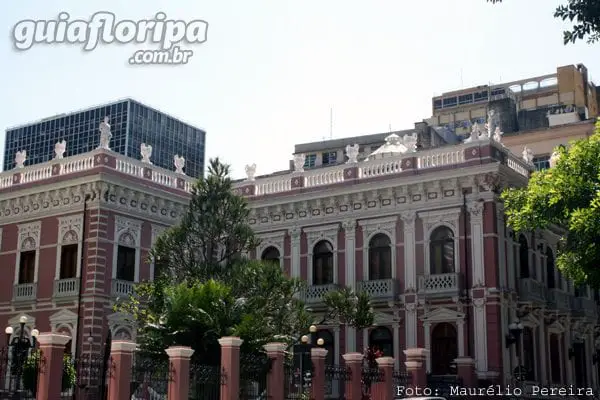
(411, 217)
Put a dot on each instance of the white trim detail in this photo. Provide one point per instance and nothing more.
(295, 235)
(372, 227)
(434, 219)
(477, 262)
(349, 227)
(70, 231)
(16, 324)
(128, 233)
(64, 320)
(410, 272)
(156, 231)
(314, 235)
(29, 239)
(121, 326)
(480, 332)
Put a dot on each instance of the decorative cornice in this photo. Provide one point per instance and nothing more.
(70, 228)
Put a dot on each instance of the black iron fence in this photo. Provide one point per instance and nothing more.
(150, 376)
(205, 382)
(86, 378)
(370, 376)
(254, 369)
(296, 385)
(19, 372)
(441, 385)
(336, 377)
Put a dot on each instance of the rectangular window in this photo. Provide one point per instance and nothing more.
(437, 104)
(450, 102)
(465, 98)
(27, 267)
(310, 160)
(481, 96)
(329, 158)
(68, 261)
(125, 263)
(541, 162)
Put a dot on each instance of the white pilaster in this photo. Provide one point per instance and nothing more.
(512, 269)
(396, 333)
(480, 332)
(477, 264)
(543, 346)
(501, 246)
(336, 358)
(295, 253)
(427, 333)
(410, 325)
(460, 329)
(410, 273)
(568, 363)
(350, 252)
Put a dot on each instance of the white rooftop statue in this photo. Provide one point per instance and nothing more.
(352, 153)
(20, 158)
(179, 162)
(527, 155)
(105, 134)
(146, 151)
(59, 149)
(299, 160)
(250, 172)
(395, 145)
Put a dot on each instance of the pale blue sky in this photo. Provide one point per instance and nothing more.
(270, 70)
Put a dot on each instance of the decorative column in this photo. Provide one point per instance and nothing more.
(568, 361)
(460, 333)
(353, 384)
(179, 386)
(385, 389)
(480, 333)
(295, 253)
(119, 387)
(477, 262)
(317, 356)
(276, 378)
(410, 277)
(396, 340)
(230, 361)
(52, 347)
(543, 374)
(350, 246)
(427, 355)
(501, 245)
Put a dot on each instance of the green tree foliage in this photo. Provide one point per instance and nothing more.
(205, 289)
(585, 16)
(565, 196)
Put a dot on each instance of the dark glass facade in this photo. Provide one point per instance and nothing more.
(132, 124)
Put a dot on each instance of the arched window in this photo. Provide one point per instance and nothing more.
(524, 257)
(380, 257)
(550, 278)
(322, 263)
(381, 339)
(441, 249)
(328, 344)
(528, 354)
(444, 349)
(270, 254)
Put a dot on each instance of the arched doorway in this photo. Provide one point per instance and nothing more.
(271, 254)
(322, 263)
(444, 349)
(380, 257)
(381, 339)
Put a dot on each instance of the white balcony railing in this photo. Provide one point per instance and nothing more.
(314, 294)
(25, 292)
(559, 300)
(531, 290)
(440, 284)
(585, 307)
(121, 288)
(66, 287)
(379, 288)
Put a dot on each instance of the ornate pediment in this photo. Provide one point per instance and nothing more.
(63, 316)
(16, 320)
(443, 315)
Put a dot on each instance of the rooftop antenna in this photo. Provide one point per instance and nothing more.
(390, 128)
(461, 79)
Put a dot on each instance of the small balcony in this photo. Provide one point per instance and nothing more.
(25, 292)
(121, 288)
(380, 289)
(532, 291)
(584, 307)
(559, 300)
(66, 288)
(314, 293)
(440, 285)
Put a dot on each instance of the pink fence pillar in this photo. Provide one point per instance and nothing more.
(52, 347)
(385, 389)
(416, 367)
(276, 376)
(353, 384)
(119, 384)
(317, 356)
(465, 369)
(230, 361)
(179, 386)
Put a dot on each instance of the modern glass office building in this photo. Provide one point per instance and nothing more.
(132, 124)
